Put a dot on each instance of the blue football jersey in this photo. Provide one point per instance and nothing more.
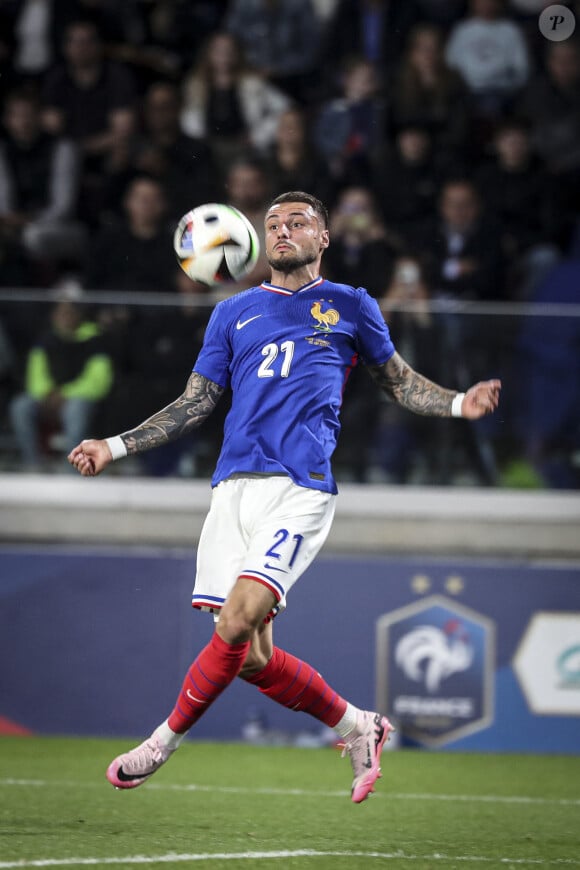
(287, 356)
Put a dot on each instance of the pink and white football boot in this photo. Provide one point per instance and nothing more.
(364, 750)
(133, 768)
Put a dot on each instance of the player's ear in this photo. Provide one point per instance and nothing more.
(324, 239)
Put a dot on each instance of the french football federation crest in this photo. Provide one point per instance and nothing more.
(324, 319)
(435, 669)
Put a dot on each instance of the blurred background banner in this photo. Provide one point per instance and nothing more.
(94, 642)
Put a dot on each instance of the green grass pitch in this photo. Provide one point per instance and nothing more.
(235, 806)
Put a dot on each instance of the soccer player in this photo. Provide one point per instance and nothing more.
(286, 349)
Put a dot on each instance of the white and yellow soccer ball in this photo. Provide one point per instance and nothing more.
(215, 243)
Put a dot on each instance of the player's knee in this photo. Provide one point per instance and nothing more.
(237, 627)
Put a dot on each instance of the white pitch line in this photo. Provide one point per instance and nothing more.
(302, 792)
(172, 858)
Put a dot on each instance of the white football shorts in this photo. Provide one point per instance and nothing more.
(263, 527)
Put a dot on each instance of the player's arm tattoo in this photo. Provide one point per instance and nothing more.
(187, 412)
(412, 390)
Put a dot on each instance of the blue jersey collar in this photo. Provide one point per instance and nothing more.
(265, 285)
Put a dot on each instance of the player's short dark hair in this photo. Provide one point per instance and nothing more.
(301, 196)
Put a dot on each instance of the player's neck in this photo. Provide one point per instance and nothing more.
(297, 278)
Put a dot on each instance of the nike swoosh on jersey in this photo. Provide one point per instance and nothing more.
(240, 324)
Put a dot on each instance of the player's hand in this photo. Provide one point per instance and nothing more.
(481, 399)
(90, 457)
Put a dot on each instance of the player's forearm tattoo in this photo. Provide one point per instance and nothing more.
(187, 412)
(411, 390)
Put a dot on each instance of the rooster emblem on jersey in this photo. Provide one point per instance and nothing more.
(325, 319)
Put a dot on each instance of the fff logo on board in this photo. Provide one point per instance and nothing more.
(436, 669)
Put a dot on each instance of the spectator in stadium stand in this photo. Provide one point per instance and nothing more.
(461, 246)
(349, 130)
(159, 346)
(551, 103)
(136, 252)
(362, 255)
(292, 162)
(39, 183)
(406, 180)
(247, 187)
(68, 372)
(546, 396)
(518, 192)
(363, 250)
(38, 25)
(91, 100)
(280, 40)
(129, 40)
(181, 27)
(427, 93)
(402, 443)
(230, 106)
(375, 30)
(33, 29)
(182, 163)
(405, 449)
(490, 52)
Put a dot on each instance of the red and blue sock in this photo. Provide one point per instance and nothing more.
(296, 685)
(212, 672)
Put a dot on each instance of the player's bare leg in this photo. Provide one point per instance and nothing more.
(212, 671)
(260, 652)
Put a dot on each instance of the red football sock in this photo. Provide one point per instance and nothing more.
(296, 685)
(212, 672)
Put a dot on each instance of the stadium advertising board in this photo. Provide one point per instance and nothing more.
(435, 669)
(547, 664)
(472, 654)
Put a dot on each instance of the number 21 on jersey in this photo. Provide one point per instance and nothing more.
(271, 352)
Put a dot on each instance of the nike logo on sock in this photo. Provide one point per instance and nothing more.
(240, 324)
(193, 698)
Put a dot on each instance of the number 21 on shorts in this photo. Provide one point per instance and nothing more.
(281, 537)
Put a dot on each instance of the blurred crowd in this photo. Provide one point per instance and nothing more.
(444, 136)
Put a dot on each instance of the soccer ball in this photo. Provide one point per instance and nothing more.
(215, 243)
